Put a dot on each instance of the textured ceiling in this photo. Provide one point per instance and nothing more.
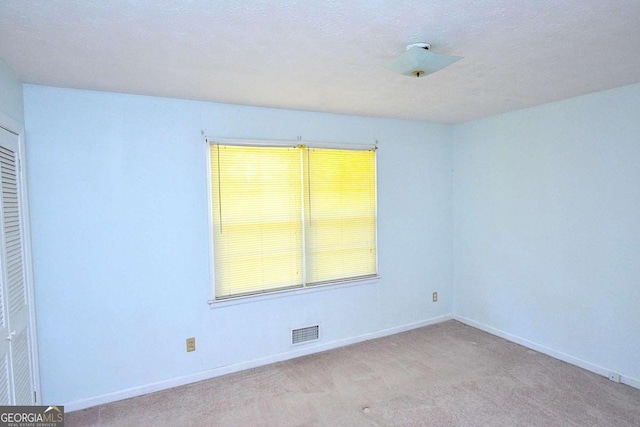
(328, 55)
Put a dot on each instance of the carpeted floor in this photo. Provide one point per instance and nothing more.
(447, 374)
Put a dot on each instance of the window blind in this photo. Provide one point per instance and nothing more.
(287, 217)
(340, 209)
(256, 199)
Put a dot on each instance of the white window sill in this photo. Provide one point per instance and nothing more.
(291, 292)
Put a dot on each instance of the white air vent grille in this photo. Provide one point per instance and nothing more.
(310, 333)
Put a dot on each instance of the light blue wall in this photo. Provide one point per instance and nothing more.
(11, 102)
(543, 204)
(547, 226)
(120, 238)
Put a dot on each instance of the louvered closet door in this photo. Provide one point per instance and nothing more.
(15, 358)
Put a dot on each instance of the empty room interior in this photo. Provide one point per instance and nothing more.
(466, 223)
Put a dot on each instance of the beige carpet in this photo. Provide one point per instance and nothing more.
(443, 375)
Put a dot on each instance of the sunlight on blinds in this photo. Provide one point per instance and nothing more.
(256, 216)
(340, 210)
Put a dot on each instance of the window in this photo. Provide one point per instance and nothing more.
(290, 217)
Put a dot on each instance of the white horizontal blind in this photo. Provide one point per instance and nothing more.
(286, 217)
(340, 215)
(256, 199)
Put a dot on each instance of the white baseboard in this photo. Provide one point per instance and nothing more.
(223, 370)
(625, 379)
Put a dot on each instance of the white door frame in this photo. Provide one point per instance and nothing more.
(16, 128)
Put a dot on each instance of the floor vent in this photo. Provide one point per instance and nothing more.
(301, 335)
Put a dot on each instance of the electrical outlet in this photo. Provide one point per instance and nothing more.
(191, 344)
(434, 297)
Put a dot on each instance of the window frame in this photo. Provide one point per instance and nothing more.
(337, 284)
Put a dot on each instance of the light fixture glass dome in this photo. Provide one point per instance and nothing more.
(419, 61)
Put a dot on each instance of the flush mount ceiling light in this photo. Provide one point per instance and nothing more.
(419, 61)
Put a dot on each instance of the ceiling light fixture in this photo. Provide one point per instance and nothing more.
(419, 61)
